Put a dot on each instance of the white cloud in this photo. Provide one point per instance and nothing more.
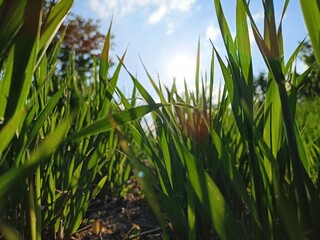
(157, 15)
(181, 5)
(157, 10)
(212, 33)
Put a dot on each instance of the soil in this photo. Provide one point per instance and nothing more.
(128, 217)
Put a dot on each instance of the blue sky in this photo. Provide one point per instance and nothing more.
(164, 33)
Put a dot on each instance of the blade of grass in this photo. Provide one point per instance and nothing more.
(273, 61)
(13, 177)
(11, 20)
(8, 131)
(51, 25)
(104, 58)
(111, 86)
(311, 13)
(197, 74)
(120, 118)
(23, 67)
(202, 184)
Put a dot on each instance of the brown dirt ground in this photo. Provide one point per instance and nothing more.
(120, 218)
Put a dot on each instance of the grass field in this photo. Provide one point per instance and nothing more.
(232, 169)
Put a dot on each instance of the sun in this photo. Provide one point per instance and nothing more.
(182, 67)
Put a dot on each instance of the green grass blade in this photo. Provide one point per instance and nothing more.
(245, 61)
(203, 185)
(211, 83)
(8, 131)
(158, 90)
(191, 212)
(40, 119)
(52, 24)
(8, 232)
(99, 186)
(111, 86)
(25, 51)
(304, 76)
(233, 94)
(166, 156)
(311, 13)
(226, 34)
(279, 33)
(5, 84)
(144, 93)
(13, 177)
(104, 58)
(11, 20)
(114, 120)
(197, 76)
(293, 57)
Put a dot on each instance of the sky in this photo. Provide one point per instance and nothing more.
(164, 34)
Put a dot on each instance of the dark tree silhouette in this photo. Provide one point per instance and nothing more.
(311, 88)
(260, 86)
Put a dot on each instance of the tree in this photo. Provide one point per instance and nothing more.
(311, 88)
(83, 39)
(260, 86)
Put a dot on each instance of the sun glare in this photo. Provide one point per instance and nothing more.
(182, 67)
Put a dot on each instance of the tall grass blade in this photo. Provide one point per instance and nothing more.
(25, 45)
(104, 59)
(270, 50)
(203, 185)
(40, 119)
(311, 13)
(5, 84)
(13, 177)
(108, 123)
(11, 20)
(197, 76)
(52, 24)
(8, 131)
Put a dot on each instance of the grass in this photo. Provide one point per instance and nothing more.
(235, 169)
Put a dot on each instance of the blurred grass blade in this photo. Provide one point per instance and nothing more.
(99, 186)
(23, 67)
(191, 212)
(52, 24)
(8, 232)
(8, 131)
(311, 13)
(11, 20)
(5, 84)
